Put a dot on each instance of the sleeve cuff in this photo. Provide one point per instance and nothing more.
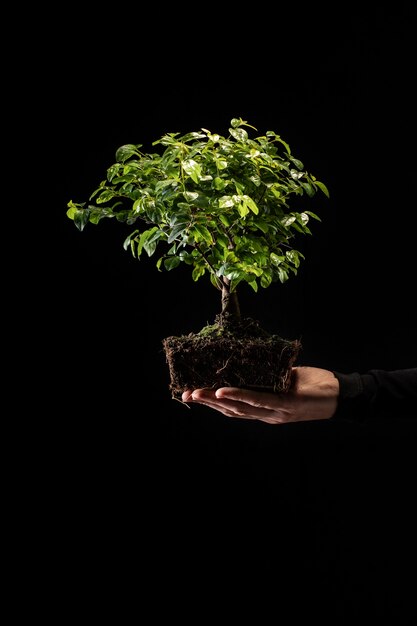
(355, 394)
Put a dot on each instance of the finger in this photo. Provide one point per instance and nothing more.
(190, 395)
(239, 410)
(225, 410)
(273, 420)
(204, 397)
(187, 395)
(234, 408)
(259, 399)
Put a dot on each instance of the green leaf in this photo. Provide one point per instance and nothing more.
(215, 281)
(262, 225)
(105, 196)
(243, 209)
(283, 275)
(193, 169)
(237, 278)
(294, 257)
(226, 202)
(125, 152)
(239, 134)
(198, 271)
(308, 188)
(251, 204)
(276, 259)
(171, 262)
(323, 188)
(129, 239)
(303, 218)
(81, 218)
(176, 232)
(72, 211)
(313, 215)
(221, 163)
(218, 183)
(143, 239)
(190, 196)
(288, 220)
(204, 233)
(266, 279)
(149, 247)
(297, 163)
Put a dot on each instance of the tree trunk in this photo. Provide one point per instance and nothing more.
(230, 302)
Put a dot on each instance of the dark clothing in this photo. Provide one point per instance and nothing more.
(377, 394)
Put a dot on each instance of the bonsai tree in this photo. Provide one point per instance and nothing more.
(224, 207)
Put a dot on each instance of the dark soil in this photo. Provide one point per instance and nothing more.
(239, 354)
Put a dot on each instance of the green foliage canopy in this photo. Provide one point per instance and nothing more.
(220, 205)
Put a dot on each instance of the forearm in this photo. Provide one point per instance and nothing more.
(377, 394)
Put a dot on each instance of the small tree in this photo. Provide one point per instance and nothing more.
(221, 205)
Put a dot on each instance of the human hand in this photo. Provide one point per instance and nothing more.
(313, 395)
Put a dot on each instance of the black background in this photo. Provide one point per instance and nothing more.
(132, 470)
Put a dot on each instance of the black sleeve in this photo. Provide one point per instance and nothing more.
(377, 394)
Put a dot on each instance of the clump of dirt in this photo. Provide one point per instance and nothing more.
(230, 353)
